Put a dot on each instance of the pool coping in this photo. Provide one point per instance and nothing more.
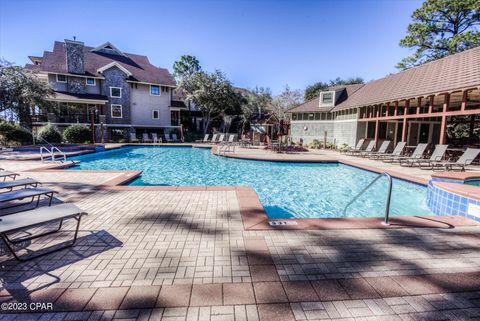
(254, 216)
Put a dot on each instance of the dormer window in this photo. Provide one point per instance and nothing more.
(327, 99)
(90, 81)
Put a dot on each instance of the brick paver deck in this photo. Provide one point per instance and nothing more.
(185, 255)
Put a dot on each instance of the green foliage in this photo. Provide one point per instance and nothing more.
(186, 67)
(213, 94)
(314, 90)
(20, 89)
(189, 137)
(11, 134)
(78, 134)
(287, 99)
(441, 28)
(256, 101)
(315, 144)
(49, 134)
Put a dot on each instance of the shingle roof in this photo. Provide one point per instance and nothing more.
(60, 95)
(455, 72)
(313, 104)
(140, 67)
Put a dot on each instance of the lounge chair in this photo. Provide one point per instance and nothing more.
(369, 149)
(155, 138)
(133, 138)
(382, 150)
(231, 139)
(417, 154)
(146, 138)
(466, 159)
(25, 182)
(204, 140)
(436, 156)
(357, 147)
(221, 138)
(175, 138)
(214, 139)
(7, 174)
(397, 151)
(20, 194)
(167, 137)
(23, 220)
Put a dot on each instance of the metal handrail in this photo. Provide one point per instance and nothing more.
(41, 152)
(62, 153)
(389, 196)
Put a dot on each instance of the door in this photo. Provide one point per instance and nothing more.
(412, 134)
(424, 130)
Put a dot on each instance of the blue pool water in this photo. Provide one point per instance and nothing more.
(474, 182)
(286, 190)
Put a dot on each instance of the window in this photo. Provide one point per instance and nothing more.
(90, 81)
(116, 111)
(116, 92)
(327, 98)
(155, 114)
(154, 90)
(61, 78)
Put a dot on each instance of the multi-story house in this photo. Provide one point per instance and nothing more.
(104, 87)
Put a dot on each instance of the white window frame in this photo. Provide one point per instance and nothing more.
(60, 80)
(111, 110)
(159, 90)
(94, 81)
(153, 113)
(116, 88)
(330, 104)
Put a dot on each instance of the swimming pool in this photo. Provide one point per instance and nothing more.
(286, 190)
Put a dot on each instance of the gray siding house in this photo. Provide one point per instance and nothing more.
(108, 89)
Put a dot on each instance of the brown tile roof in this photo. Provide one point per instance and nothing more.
(140, 67)
(455, 72)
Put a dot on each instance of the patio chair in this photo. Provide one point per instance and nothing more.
(466, 159)
(204, 140)
(175, 138)
(417, 154)
(23, 220)
(155, 138)
(369, 149)
(357, 147)
(382, 150)
(221, 138)
(397, 151)
(146, 138)
(20, 194)
(7, 174)
(133, 138)
(436, 156)
(25, 182)
(214, 139)
(167, 137)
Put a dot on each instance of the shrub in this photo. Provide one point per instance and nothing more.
(315, 144)
(11, 134)
(78, 134)
(49, 134)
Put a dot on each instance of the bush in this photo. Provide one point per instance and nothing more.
(78, 134)
(49, 134)
(11, 134)
(315, 144)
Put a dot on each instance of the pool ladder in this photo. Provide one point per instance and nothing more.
(389, 196)
(51, 153)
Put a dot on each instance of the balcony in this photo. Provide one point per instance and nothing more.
(64, 118)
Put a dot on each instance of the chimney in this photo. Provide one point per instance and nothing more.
(75, 58)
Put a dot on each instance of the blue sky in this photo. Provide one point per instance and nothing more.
(264, 43)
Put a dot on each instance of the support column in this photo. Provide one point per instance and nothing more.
(377, 125)
(404, 130)
(395, 113)
(430, 106)
(443, 126)
(419, 104)
(464, 99)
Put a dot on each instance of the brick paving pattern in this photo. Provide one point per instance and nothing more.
(185, 255)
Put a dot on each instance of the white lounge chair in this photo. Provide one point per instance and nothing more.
(398, 150)
(133, 138)
(363, 153)
(167, 137)
(19, 183)
(204, 140)
(146, 138)
(32, 193)
(382, 150)
(357, 147)
(155, 138)
(175, 138)
(417, 154)
(221, 138)
(7, 174)
(23, 220)
(214, 139)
